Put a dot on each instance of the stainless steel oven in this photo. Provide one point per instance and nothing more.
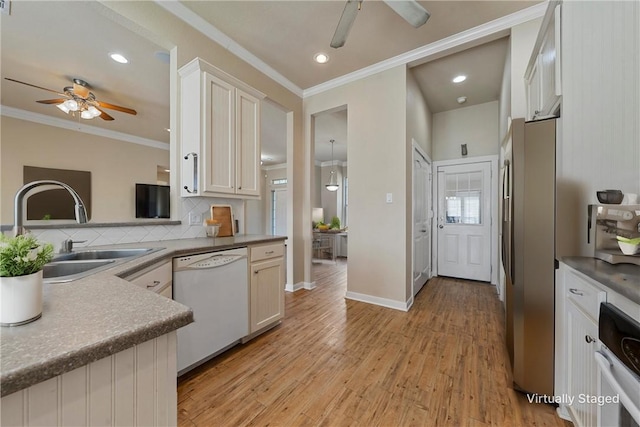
(618, 359)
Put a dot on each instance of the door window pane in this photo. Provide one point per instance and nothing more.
(463, 195)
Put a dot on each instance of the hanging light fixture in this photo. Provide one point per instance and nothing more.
(332, 185)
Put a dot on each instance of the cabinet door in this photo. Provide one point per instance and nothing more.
(267, 293)
(219, 136)
(581, 365)
(247, 144)
(533, 92)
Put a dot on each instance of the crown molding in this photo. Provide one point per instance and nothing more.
(456, 40)
(42, 119)
(187, 15)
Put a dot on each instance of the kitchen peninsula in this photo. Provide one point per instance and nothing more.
(104, 350)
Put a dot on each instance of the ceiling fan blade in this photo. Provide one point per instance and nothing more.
(116, 107)
(52, 101)
(105, 116)
(410, 10)
(80, 90)
(37, 87)
(346, 21)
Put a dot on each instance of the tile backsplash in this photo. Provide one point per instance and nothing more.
(95, 236)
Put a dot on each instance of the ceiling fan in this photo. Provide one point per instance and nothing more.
(78, 98)
(409, 10)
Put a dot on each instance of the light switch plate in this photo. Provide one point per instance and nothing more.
(195, 218)
(389, 197)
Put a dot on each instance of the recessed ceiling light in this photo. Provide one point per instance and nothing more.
(459, 79)
(462, 99)
(118, 58)
(321, 58)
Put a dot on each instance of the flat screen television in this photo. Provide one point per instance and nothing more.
(152, 201)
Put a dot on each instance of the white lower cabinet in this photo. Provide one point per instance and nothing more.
(136, 386)
(157, 278)
(577, 308)
(582, 371)
(267, 281)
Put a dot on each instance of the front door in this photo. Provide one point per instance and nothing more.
(464, 221)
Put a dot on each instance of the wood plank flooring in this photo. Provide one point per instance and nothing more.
(336, 362)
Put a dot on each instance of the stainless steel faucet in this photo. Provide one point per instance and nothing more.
(80, 211)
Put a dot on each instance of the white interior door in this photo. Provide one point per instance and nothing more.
(422, 216)
(464, 221)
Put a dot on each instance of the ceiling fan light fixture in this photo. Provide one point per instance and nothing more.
(86, 114)
(71, 104)
(63, 108)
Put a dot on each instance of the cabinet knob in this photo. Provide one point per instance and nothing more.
(589, 339)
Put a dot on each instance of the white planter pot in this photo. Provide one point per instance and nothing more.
(20, 299)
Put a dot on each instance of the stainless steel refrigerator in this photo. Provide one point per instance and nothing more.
(528, 203)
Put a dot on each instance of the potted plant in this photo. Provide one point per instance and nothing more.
(21, 261)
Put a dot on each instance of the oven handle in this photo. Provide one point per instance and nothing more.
(605, 368)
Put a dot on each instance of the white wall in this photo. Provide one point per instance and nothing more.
(379, 163)
(476, 126)
(600, 134)
(523, 37)
(115, 165)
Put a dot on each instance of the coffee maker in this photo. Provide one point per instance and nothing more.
(608, 221)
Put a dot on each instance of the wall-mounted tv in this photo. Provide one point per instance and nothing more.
(152, 201)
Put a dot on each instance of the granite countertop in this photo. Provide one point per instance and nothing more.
(621, 278)
(99, 315)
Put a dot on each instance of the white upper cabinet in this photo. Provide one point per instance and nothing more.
(542, 78)
(219, 133)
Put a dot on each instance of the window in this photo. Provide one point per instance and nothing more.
(463, 193)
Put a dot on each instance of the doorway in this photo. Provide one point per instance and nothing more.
(329, 202)
(422, 218)
(465, 247)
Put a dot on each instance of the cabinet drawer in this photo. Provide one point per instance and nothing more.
(155, 279)
(259, 253)
(585, 295)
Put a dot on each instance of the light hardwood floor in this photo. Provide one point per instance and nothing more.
(336, 362)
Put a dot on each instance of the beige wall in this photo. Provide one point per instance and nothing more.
(115, 165)
(170, 32)
(419, 118)
(378, 164)
(476, 126)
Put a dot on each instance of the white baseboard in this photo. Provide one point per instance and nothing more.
(300, 285)
(293, 287)
(383, 302)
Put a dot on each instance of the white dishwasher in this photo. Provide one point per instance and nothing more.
(215, 286)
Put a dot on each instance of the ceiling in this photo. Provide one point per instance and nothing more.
(283, 34)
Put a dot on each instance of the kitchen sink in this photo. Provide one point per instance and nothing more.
(66, 271)
(98, 254)
(66, 267)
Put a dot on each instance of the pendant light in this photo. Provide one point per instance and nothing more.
(332, 185)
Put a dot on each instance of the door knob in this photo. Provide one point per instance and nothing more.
(440, 226)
